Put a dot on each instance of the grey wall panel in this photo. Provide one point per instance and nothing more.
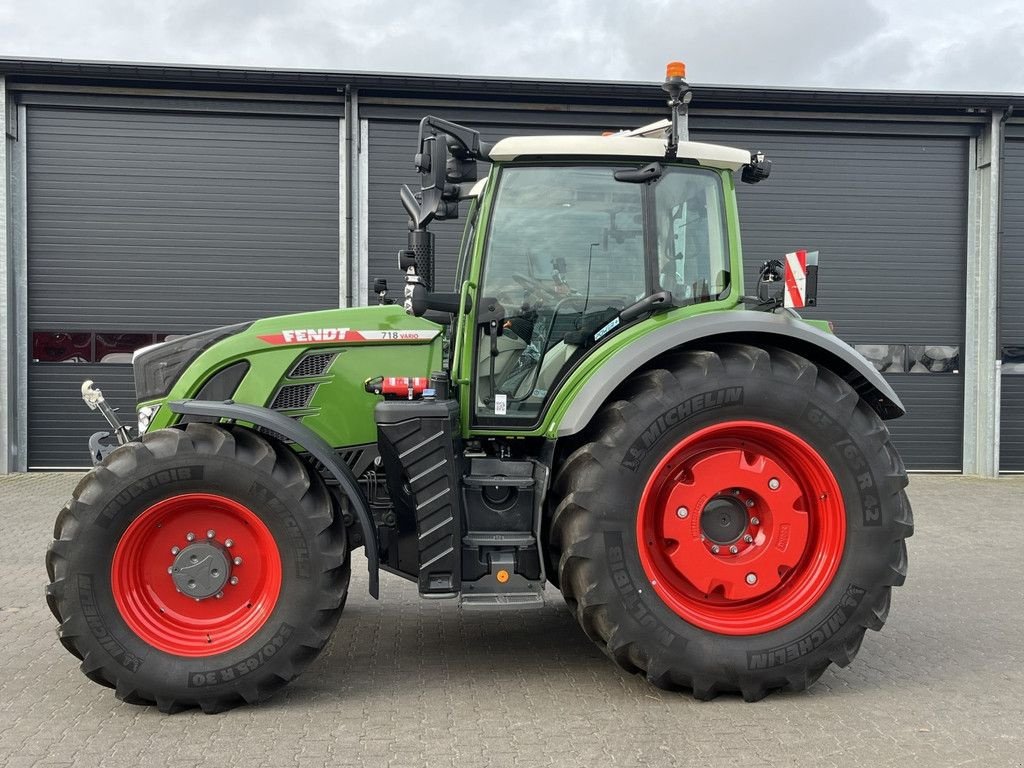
(167, 222)
(930, 436)
(887, 213)
(1011, 308)
(59, 423)
(889, 217)
(178, 222)
(1011, 437)
(1011, 278)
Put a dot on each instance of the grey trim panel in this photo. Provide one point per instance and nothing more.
(182, 104)
(597, 390)
(305, 437)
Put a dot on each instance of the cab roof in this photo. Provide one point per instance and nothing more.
(648, 141)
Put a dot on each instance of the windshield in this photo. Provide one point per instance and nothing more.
(565, 255)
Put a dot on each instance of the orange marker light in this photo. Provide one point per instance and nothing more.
(502, 576)
(675, 69)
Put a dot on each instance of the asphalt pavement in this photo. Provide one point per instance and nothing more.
(410, 682)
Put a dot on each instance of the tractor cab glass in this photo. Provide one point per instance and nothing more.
(569, 248)
(692, 243)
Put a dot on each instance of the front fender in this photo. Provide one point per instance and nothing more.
(741, 326)
(305, 438)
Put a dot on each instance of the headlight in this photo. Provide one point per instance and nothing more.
(146, 414)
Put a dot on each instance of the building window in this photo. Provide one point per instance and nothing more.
(89, 346)
(912, 358)
(1013, 360)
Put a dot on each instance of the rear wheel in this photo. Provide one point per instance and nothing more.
(735, 522)
(199, 567)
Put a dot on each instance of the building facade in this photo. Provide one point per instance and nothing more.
(141, 201)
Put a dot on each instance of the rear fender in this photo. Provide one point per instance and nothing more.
(309, 440)
(748, 327)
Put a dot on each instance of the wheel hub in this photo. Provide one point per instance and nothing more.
(766, 537)
(724, 520)
(196, 574)
(201, 569)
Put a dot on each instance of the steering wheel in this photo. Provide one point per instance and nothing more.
(533, 284)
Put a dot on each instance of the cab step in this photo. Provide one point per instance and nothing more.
(483, 601)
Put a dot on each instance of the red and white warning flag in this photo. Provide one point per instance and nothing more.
(798, 266)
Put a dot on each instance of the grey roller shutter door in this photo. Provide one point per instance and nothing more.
(888, 215)
(1011, 309)
(167, 222)
(887, 212)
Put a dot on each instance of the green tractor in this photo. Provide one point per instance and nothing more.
(598, 405)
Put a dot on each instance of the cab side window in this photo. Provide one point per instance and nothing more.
(692, 242)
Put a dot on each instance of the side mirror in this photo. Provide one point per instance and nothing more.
(758, 169)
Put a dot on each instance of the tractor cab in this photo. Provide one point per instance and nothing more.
(569, 241)
(573, 243)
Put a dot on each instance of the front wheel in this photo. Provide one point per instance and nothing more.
(735, 522)
(203, 566)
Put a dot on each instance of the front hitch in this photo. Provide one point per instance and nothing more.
(99, 442)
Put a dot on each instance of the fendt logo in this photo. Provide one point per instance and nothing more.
(345, 335)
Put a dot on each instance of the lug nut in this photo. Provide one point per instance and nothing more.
(210, 534)
(682, 512)
(175, 550)
(750, 502)
(748, 538)
(237, 561)
(190, 536)
(234, 580)
(714, 548)
(774, 483)
(733, 549)
(736, 492)
(755, 521)
(170, 569)
(219, 595)
(751, 578)
(229, 543)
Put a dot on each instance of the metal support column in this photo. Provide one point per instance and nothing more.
(7, 387)
(344, 213)
(353, 191)
(981, 375)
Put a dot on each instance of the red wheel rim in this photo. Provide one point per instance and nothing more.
(741, 528)
(148, 596)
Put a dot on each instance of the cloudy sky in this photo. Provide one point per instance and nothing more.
(899, 44)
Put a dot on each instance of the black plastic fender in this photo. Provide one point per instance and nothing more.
(317, 447)
(747, 326)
